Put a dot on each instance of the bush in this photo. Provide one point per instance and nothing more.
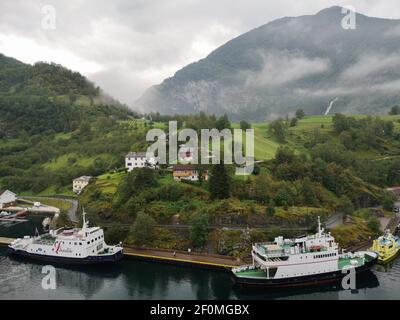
(142, 229)
(300, 113)
(374, 224)
(244, 125)
(199, 229)
(115, 234)
(388, 202)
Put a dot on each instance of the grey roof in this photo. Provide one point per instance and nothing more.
(139, 154)
(3, 191)
(189, 166)
(84, 178)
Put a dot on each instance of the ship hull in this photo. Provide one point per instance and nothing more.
(387, 259)
(100, 259)
(296, 282)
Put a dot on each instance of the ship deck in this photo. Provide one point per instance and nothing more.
(251, 273)
(346, 262)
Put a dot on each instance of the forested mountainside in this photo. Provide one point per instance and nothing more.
(48, 98)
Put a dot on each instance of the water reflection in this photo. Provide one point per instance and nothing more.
(133, 279)
(24, 279)
(161, 281)
(364, 280)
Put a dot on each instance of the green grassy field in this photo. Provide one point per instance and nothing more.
(63, 161)
(51, 191)
(265, 145)
(63, 205)
(108, 182)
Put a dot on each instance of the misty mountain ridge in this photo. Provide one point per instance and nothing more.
(48, 97)
(290, 63)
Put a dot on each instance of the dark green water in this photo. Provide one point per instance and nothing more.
(131, 279)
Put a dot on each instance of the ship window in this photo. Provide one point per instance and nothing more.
(80, 243)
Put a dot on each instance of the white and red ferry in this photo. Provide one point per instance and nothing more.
(69, 246)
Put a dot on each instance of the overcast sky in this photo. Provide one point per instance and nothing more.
(125, 46)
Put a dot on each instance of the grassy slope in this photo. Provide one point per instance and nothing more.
(108, 182)
(63, 205)
(266, 146)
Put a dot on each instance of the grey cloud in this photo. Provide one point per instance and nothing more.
(280, 68)
(140, 42)
(369, 65)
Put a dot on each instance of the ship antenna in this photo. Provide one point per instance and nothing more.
(85, 223)
(319, 226)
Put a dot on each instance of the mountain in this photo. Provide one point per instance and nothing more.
(48, 97)
(294, 62)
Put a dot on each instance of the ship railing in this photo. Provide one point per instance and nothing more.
(271, 253)
(244, 268)
(44, 242)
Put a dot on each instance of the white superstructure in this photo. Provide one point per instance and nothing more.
(306, 255)
(86, 244)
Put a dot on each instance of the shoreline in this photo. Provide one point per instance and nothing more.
(210, 261)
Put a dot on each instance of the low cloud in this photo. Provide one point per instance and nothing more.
(280, 68)
(388, 87)
(128, 45)
(370, 65)
(393, 32)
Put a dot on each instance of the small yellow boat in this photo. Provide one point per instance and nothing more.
(386, 246)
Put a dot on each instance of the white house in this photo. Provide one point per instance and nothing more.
(7, 198)
(140, 160)
(78, 184)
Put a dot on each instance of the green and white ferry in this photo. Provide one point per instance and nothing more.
(304, 261)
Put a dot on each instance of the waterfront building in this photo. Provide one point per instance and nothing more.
(80, 183)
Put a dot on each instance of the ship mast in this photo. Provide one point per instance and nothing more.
(85, 224)
(319, 226)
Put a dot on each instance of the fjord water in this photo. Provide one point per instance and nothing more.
(131, 279)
